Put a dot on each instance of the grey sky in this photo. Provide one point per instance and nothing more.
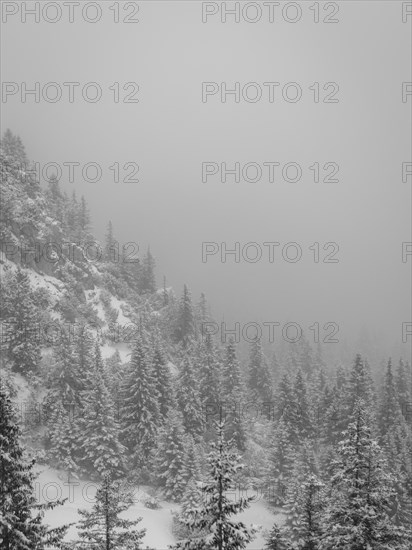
(170, 132)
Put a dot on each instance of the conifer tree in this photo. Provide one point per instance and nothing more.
(191, 465)
(389, 411)
(231, 376)
(403, 388)
(259, 379)
(284, 397)
(114, 375)
(84, 220)
(203, 309)
(287, 408)
(275, 368)
(64, 435)
(162, 378)
(305, 527)
(189, 398)
(397, 446)
(84, 351)
(318, 390)
(22, 202)
(302, 417)
(22, 322)
(214, 514)
(318, 357)
(63, 403)
(56, 201)
(341, 377)
(233, 397)
(208, 367)
(111, 249)
(140, 410)
(396, 442)
(148, 282)
(306, 358)
(356, 516)
(279, 464)
(68, 377)
(359, 386)
(21, 519)
(165, 293)
(300, 500)
(191, 498)
(170, 457)
(102, 451)
(73, 216)
(102, 527)
(333, 410)
(185, 327)
(276, 539)
(14, 148)
(332, 413)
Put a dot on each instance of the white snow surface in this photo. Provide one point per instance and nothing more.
(51, 484)
(53, 285)
(123, 349)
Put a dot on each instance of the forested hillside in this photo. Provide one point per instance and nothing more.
(109, 375)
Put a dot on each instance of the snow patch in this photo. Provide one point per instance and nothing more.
(51, 484)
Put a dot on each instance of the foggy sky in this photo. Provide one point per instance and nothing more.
(170, 132)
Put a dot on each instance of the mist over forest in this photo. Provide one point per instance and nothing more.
(205, 263)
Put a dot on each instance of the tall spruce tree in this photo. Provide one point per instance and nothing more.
(84, 221)
(63, 435)
(114, 375)
(287, 408)
(214, 514)
(163, 379)
(359, 386)
(56, 202)
(301, 412)
(188, 397)
(284, 398)
(278, 464)
(102, 452)
(298, 500)
(231, 375)
(404, 389)
(389, 410)
(208, 366)
(259, 378)
(203, 309)
(233, 397)
(21, 518)
(277, 540)
(22, 321)
(148, 280)
(185, 324)
(102, 527)
(14, 148)
(396, 442)
(305, 530)
(191, 462)
(111, 245)
(140, 410)
(68, 379)
(357, 512)
(169, 461)
(275, 368)
(72, 216)
(332, 415)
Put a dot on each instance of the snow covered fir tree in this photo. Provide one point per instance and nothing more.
(101, 527)
(157, 433)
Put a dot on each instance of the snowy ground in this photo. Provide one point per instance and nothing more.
(51, 484)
